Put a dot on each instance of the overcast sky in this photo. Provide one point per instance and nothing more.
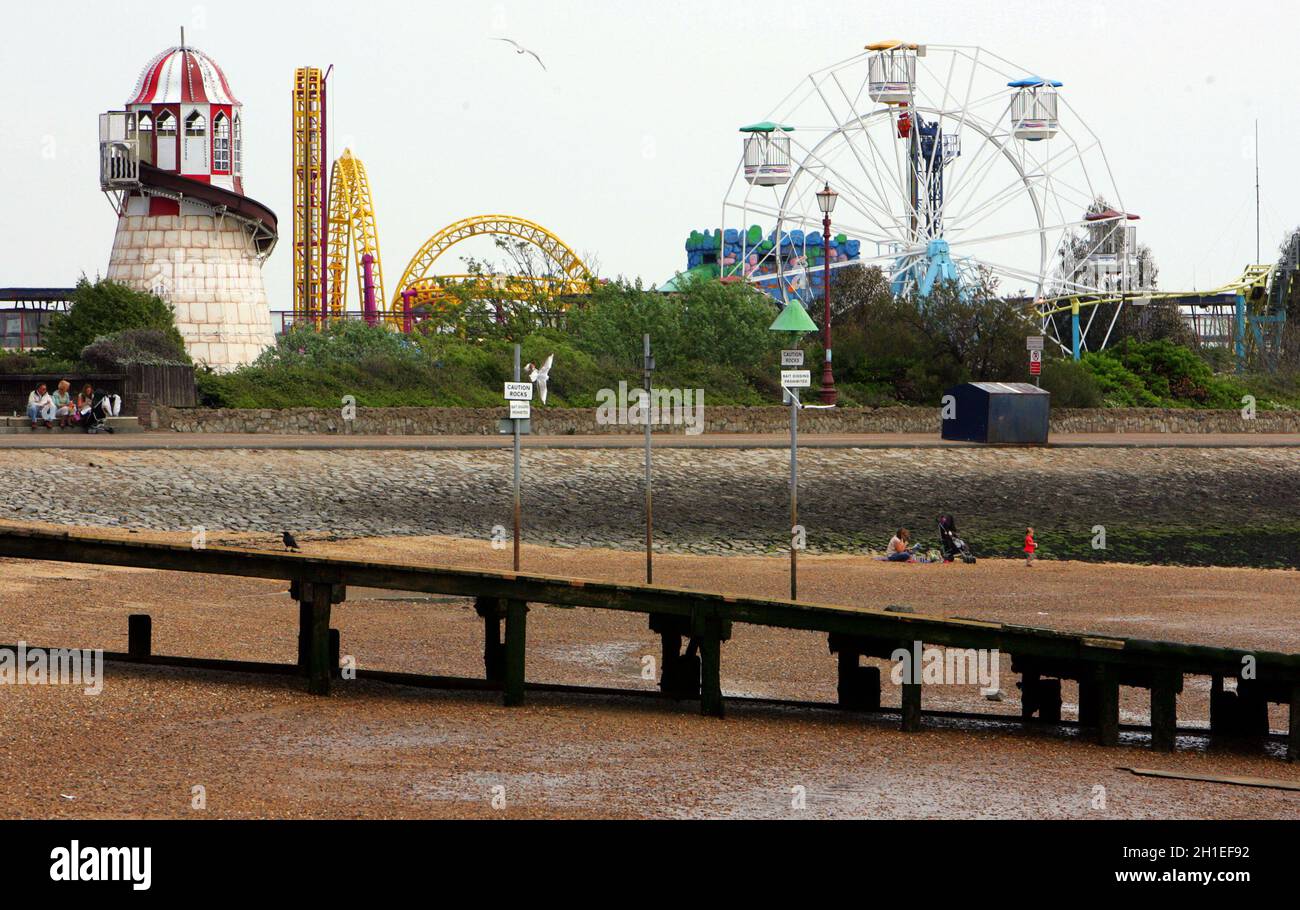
(628, 141)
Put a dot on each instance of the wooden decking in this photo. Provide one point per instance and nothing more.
(694, 625)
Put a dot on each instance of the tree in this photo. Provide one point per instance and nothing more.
(912, 348)
(104, 308)
(725, 323)
(612, 320)
(974, 327)
(706, 321)
(510, 300)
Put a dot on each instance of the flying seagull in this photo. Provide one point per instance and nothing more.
(539, 376)
(289, 542)
(520, 49)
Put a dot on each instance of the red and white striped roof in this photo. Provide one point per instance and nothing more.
(182, 74)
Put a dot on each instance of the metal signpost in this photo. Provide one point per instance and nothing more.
(790, 381)
(649, 500)
(1034, 344)
(519, 396)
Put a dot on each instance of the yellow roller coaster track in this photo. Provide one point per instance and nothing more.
(571, 277)
(352, 224)
(1252, 283)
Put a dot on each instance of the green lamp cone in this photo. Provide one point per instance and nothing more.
(793, 318)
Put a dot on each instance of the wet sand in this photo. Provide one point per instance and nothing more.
(261, 747)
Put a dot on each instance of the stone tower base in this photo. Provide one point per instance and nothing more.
(207, 269)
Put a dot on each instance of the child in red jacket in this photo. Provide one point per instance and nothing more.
(1030, 547)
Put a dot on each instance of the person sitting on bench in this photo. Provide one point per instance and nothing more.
(40, 407)
(64, 408)
(85, 400)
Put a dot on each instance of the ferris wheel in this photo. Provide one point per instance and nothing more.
(951, 164)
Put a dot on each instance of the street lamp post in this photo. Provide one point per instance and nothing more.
(826, 202)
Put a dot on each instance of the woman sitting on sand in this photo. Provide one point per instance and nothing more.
(898, 550)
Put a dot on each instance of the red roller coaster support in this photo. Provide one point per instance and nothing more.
(368, 287)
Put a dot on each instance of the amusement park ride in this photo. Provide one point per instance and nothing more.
(172, 165)
(954, 167)
(327, 225)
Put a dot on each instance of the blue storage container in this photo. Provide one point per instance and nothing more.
(1005, 413)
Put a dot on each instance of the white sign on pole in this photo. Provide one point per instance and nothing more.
(1034, 342)
(796, 379)
(792, 358)
(1035, 356)
(519, 391)
(520, 410)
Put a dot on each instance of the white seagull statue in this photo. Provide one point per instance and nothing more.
(539, 376)
(520, 49)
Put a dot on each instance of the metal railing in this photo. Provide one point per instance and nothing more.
(119, 164)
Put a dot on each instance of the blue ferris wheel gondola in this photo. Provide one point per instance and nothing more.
(1034, 108)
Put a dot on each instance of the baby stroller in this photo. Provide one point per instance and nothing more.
(102, 407)
(952, 545)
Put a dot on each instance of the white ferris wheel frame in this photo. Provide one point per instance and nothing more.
(1037, 177)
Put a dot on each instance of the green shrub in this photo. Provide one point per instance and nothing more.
(104, 308)
(611, 323)
(1160, 374)
(1072, 384)
(34, 362)
(1120, 387)
(726, 324)
(716, 337)
(346, 341)
(706, 321)
(18, 362)
(150, 346)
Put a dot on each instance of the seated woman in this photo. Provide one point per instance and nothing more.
(85, 401)
(40, 406)
(898, 550)
(64, 409)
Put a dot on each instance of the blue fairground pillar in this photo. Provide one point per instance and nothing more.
(1239, 343)
(1074, 329)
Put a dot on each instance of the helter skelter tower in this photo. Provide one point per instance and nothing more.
(172, 163)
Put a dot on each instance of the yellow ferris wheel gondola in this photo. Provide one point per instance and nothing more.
(891, 71)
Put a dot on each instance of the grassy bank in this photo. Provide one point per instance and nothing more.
(717, 338)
